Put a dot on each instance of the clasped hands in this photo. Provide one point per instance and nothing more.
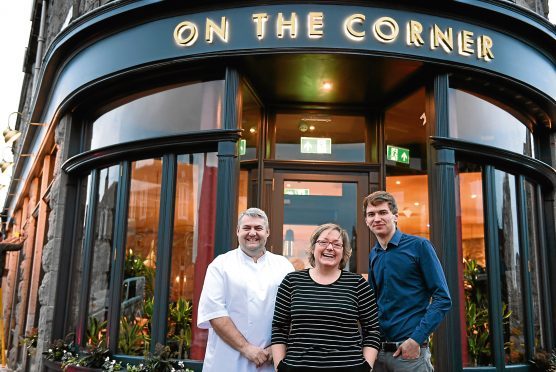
(257, 355)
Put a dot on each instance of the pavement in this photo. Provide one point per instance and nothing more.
(5, 369)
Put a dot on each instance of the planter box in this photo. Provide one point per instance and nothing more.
(50, 366)
(81, 369)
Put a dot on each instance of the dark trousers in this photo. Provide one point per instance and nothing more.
(283, 367)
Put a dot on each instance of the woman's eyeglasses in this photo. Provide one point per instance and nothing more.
(326, 243)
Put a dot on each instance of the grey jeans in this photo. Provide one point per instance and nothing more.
(387, 363)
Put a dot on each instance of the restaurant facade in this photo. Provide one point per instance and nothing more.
(147, 125)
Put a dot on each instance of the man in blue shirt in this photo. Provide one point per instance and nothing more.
(410, 287)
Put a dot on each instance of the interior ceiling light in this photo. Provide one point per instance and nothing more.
(326, 86)
(252, 130)
(311, 127)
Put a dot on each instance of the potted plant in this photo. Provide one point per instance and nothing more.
(92, 359)
(58, 351)
(545, 361)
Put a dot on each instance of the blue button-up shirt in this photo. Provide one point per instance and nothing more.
(412, 294)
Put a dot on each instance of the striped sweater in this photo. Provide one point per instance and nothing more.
(325, 326)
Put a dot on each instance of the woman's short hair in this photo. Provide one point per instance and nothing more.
(346, 252)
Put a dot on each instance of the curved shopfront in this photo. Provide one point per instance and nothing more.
(177, 117)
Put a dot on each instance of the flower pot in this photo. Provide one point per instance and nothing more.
(71, 368)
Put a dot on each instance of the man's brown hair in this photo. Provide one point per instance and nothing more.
(378, 197)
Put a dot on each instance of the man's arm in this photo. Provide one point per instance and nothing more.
(227, 331)
(435, 282)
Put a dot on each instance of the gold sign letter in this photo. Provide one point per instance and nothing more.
(186, 33)
(484, 45)
(260, 19)
(465, 43)
(212, 28)
(391, 25)
(414, 30)
(315, 24)
(282, 24)
(439, 38)
(350, 31)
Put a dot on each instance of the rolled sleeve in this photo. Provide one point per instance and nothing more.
(212, 303)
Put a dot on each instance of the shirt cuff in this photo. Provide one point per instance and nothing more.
(203, 321)
(419, 337)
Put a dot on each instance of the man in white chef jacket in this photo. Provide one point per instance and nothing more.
(237, 301)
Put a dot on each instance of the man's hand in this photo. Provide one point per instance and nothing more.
(257, 355)
(409, 349)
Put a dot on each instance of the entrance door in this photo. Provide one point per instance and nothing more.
(303, 201)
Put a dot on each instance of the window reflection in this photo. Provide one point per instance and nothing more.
(510, 267)
(477, 344)
(310, 204)
(102, 250)
(476, 120)
(405, 127)
(411, 193)
(536, 270)
(250, 123)
(137, 289)
(307, 136)
(192, 251)
(77, 267)
(175, 110)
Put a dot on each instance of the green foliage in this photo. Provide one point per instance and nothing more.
(96, 331)
(131, 339)
(59, 348)
(181, 313)
(30, 341)
(134, 266)
(476, 313)
(94, 356)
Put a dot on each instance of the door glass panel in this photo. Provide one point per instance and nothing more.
(411, 193)
(306, 136)
(192, 251)
(473, 293)
(137, 289)
(310, 204)
(102, 252)
(250, 123)
(535, 267)
(510, 267)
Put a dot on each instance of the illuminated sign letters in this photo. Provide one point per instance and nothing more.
(355, 27)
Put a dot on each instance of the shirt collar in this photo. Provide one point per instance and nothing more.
(245, 257)
(394, 241)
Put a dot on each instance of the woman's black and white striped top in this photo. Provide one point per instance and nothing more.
(325, 325)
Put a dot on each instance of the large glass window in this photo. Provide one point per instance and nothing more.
(99, 283)
(192, 251)
(137, 288)
(477, 344)
(477, 120)
(318, 136)
(174, 110)
(251, 124)
(510, 267)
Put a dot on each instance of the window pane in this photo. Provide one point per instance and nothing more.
(411, 193)
(477, 120)
(243, 190)
(102, 251)
(77, 266)
(137, 294)
(310, 204)
(306, 136)
(175, 110)
(510, 268)
(477, 346)
(405, 128)
(250, 123)
(192, 251)
(535, 266)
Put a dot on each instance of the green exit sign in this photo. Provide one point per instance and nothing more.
(398, 154)
(242, 147)
(316, 145)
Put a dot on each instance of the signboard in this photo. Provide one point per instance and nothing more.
(290, 191)
(397, 154)
(314, 145)
(242, 147)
